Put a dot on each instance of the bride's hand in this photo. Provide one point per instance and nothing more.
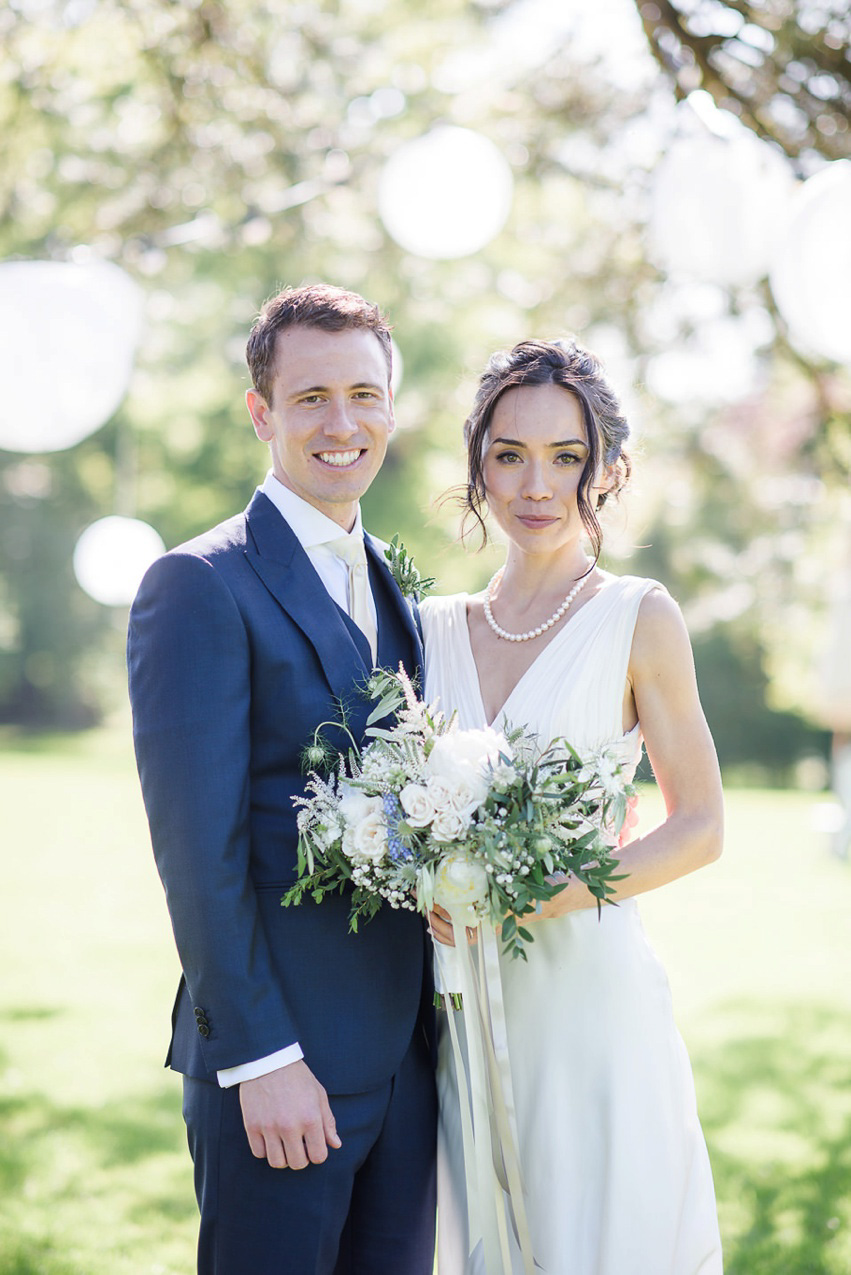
(442, 930)
(572, 898)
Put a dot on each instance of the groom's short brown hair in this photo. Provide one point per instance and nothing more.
(314, 305)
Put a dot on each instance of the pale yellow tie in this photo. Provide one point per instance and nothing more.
(351, 550)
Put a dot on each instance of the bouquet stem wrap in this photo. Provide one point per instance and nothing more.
(488, 1120)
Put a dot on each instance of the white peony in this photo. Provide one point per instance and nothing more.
(417, 804)
(461, 886)
(463, 759)
(462, 749)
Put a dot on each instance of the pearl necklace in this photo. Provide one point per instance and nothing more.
(532, 633)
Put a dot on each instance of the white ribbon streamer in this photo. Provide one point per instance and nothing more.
(488, 1120)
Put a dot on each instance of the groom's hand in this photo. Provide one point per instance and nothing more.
(287, 1117)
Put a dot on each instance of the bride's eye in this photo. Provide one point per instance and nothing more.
(568, 458)
(507, 458)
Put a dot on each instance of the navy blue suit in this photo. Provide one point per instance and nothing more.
(236, 652)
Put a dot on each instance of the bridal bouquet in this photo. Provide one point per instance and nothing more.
(472, 819)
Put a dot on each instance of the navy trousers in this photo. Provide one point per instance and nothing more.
(368, 1210)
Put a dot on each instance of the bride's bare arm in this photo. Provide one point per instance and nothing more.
(681, 752)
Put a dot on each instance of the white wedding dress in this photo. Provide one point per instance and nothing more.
(615, 1169)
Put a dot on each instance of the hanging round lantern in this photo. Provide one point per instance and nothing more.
(69, 338)
(112, 555)
(446, 194)
(811, 268)
(716, 206)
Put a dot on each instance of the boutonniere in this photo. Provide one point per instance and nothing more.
(401, 566)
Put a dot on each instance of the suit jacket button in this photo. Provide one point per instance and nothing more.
(199, 1013)
(203, 1029)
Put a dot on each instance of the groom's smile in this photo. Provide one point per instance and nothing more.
(341, 460)
(329, 416)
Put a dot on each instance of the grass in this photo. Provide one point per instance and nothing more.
(94, 1176)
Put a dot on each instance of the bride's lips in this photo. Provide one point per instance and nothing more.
(535, 522)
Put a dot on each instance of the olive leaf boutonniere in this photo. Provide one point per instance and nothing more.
(401, 566)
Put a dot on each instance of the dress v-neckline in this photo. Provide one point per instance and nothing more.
(477, 681)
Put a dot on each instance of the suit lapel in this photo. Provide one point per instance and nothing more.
(275, 554)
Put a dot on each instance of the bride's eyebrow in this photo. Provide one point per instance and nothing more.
(568, 442)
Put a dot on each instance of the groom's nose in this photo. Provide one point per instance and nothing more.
(339, 419)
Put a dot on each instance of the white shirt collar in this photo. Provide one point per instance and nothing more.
(310, 526)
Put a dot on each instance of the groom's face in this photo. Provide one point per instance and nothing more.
(329, 418)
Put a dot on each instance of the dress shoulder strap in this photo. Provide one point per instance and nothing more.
(608, 648)
(630, 592)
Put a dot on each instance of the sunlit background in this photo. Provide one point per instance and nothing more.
(669, 181)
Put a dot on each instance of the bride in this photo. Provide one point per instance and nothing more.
(615, 1170)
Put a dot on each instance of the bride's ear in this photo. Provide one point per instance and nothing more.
(606, 483)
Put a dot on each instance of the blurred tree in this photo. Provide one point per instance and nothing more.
(220, 150)
(781, 66)
(224, 148)
(763, 532)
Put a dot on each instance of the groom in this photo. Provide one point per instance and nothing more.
(308, 1084)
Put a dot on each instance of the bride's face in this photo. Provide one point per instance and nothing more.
(535, 453)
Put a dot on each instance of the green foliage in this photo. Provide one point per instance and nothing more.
(404, 572)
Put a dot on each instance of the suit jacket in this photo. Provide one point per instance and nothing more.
(236, 652)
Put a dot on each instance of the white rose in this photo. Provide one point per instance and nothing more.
(367, 840)
(417, 804)
(356, 805)
(464, 794)
(449, 825)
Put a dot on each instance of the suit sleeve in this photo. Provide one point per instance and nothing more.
(190, 688)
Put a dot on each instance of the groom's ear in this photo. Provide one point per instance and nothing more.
(392, 424)
(258, 410)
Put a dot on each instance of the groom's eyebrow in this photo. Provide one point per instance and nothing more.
(323, 389)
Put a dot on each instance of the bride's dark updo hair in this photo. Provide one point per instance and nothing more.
(580, 373)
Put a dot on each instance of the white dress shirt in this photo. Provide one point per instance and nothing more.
(313, 531)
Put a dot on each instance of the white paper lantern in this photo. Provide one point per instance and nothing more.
(69, 334)
(717, 364)
(112, 555)
(446, 194)
(717, 206)
(811, 269)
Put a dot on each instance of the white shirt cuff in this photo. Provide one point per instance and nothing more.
(229, 1076)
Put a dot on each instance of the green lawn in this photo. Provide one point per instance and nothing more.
(94, 1177)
